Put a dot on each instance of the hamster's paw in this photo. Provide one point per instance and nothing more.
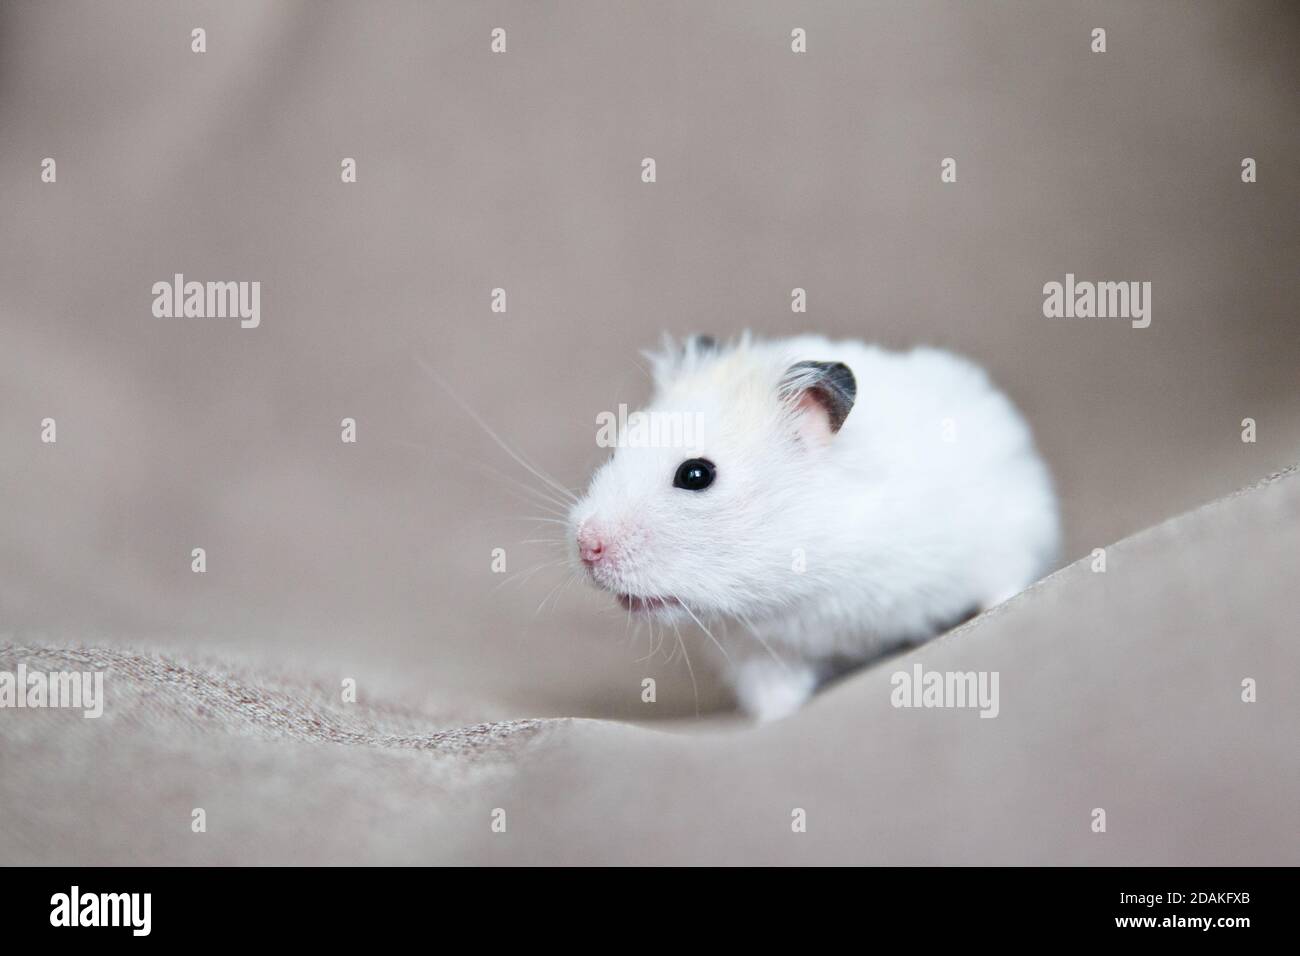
(769, 689)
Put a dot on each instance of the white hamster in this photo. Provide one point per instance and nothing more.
(833, 499)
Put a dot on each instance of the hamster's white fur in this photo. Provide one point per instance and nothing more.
(823, 547)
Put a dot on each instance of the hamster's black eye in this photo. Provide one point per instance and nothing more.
(694, 474)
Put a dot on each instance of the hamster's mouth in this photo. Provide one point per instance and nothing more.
(633, 602)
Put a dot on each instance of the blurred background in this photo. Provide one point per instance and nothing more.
(522, 171)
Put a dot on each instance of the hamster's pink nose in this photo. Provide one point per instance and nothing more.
(591, 547)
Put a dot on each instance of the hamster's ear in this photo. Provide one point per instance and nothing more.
(821, 395)
(671, 358)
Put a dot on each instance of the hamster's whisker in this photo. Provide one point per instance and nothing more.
(558, 591)
(671, 657)
(702, 627)
(547, 598)
(573, 576)
(689, 669)
(517, 456)
(542, 498)
(541, 495)
(749, 626)
(520, 577)
(633, 632)
(650, 636)
(650, 653)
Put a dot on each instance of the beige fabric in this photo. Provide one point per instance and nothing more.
(522, 171)
(1119, 690)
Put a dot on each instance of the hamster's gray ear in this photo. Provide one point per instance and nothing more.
(671, 358)
(830, 385)
(700, 344)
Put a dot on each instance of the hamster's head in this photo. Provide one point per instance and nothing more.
(689, 510)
